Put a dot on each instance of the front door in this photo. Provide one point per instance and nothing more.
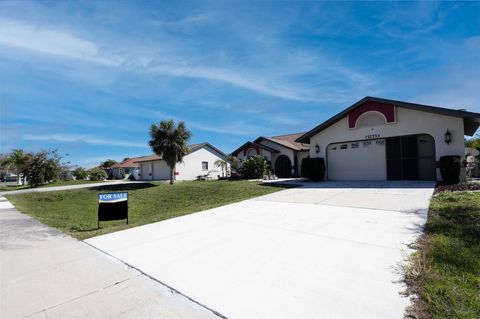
(283, 166)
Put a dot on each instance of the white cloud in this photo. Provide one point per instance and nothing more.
(71, 138)
(50, 41)
(58, 42)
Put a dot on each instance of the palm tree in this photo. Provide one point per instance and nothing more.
(17, 160)
(223, 164)
(170, 142)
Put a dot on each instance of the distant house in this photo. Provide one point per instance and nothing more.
(125, 168)
(283, 153)
(199, 162)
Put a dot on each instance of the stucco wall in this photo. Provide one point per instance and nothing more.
(191, 167)
(408, 122)
(272, 157)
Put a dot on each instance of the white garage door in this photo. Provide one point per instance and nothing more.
(161, 170)
(362, 161)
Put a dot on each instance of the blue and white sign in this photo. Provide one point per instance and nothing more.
(112, 197)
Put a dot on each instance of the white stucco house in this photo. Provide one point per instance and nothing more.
(200, 161)
(381, 139)
(283, 153)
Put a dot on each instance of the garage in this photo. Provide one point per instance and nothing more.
(359, 160)
(409, 157)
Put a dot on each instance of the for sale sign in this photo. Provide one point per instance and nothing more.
(112, 206)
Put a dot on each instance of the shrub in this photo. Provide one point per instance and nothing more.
(97, 174)
(80, 173)
(313, 168)
(450, 169)
(254, 167)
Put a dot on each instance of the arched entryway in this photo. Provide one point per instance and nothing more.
(283, 166)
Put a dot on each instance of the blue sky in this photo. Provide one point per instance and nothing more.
(89, 78)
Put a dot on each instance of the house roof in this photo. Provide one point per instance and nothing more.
(471, 120)
(255, 145)
(130, 162)
(288, 141)
(191, 148)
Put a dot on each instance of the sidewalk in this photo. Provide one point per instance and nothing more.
(66, 187)
(46, 274)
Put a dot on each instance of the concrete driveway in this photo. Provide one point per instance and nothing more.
(326, 250)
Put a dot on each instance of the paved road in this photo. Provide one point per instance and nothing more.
(327, 250)
(46, 274)
(66, 187)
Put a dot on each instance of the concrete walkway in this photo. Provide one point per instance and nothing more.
(66, 187)
(46, 274)
(326, 250)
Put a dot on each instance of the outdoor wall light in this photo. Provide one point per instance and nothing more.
(317, 148)
(448, 137)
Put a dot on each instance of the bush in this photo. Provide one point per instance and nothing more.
(254, 167)
(80, 173)
(97, 174)
(450, 169)
(313, 168)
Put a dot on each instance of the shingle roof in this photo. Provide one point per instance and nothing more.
(131, 162)
(471, 120)
(287, 140)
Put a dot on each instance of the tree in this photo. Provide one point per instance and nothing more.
(108, 163)
(43, 167)
(80, 173)
(17, 161)
(223, 164)
(97, 174)
(170, 142)
(473, 142)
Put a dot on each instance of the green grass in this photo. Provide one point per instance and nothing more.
(445, 271)
(5, 187)
(75, 211)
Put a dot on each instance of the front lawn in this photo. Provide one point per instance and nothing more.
(75, 211)
(445, 272)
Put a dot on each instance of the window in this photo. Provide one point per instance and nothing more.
(204, 166)
(343, 146)
(355, 145)
(252, 152)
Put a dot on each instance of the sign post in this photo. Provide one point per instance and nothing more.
(112, 206)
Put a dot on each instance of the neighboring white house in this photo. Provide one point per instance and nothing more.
(126, 168)
(282, 152)
(380, 139)
(200, 161)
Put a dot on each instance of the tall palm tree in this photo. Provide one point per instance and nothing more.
(170, 142)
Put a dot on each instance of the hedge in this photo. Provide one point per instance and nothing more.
(450, 169)
(313, 168)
